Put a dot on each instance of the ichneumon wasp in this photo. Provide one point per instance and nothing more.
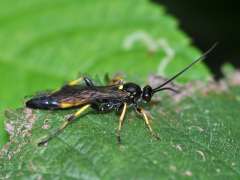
(116, 96)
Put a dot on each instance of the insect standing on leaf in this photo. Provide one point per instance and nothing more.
(116, 96)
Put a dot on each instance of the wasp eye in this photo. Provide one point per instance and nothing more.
(147, 93)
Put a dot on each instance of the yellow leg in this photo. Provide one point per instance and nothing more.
(75, 82)
(64, 125)
(116, 80)
(87, 81)
(142, 111)
(71, 83)
(121, 119)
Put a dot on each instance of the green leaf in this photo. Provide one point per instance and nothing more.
(46, 43)
(199, 139)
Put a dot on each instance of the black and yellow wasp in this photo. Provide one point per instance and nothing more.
(116, 96)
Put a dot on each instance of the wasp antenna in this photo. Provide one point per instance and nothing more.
(202, 57)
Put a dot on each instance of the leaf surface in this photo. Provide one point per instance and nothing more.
(199, 140)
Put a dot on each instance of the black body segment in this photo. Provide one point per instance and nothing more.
(106, 105)
(42, 103)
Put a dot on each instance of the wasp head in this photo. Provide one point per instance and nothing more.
(147, 93)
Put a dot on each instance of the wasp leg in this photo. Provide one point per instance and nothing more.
(75, 82)
(143, 113)
(116, 80)
(87, 81)
(121, 120)
(64, 125)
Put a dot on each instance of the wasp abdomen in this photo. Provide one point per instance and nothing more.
(42, 103)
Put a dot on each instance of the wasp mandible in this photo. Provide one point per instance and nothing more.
(116, 96)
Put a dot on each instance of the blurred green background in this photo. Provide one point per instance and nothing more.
(45, 43)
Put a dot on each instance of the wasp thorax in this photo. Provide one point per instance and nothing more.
(133, 89)
(147, 93)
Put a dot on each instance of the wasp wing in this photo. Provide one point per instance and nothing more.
(77, 95)
(70, 96)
